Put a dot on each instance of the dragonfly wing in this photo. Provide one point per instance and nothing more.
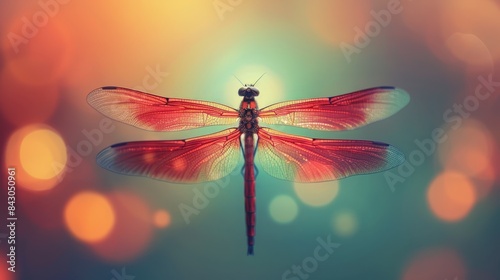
(347, 111)
(158, 113)
(199, 159)
(303, 159)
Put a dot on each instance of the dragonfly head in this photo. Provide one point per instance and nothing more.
(248, 91)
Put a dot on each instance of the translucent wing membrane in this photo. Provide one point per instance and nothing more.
(158, 113)
(192, 160)
(347, 111)
(302, 159)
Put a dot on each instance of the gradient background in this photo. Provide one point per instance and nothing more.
(83, 222)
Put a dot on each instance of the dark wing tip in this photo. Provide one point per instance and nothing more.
(118, 145)
(95, 93)
(380, 144)
(109, 88)
(387, 87)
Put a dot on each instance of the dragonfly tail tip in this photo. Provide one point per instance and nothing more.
(250, 250)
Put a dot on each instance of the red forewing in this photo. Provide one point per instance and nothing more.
(347, 111)
(158, 113)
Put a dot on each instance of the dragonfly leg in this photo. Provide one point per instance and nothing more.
(256, 146)
(256, 170)
(241, 146)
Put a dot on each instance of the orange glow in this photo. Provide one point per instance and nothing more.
(89, 216)
(456, 30)
(468, 149)
(164, 28)
(334, 21)
(15, 158)
(475, 17)
(435, 264)
(317, 194)
(422, 17)
(180, 16)
(483, 182)
(132, 232)
(42, 59)
(4, 273)
(161, 219)
(470, 49)
(451, 196)
(26, 103)
(40, 150)
(41, 206)
(413, 19)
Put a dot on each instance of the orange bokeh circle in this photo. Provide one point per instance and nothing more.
(161, 218)
(451, 196)
(133, 230)
(89, 216)
(436, 263)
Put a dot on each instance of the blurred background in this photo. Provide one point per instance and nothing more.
(435, 217)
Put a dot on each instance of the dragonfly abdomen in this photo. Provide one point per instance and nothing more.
(249, 191)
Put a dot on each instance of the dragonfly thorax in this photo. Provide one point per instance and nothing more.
(248, 116)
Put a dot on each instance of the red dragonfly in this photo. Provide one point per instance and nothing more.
(284, 156)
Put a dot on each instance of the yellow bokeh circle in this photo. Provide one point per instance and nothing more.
(345, 224)
(283, 209)
(317, 194)
(42, 153)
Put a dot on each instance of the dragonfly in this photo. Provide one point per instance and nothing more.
(214, 156)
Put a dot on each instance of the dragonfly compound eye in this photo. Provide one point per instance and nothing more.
(242, 91)
(255, 91)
